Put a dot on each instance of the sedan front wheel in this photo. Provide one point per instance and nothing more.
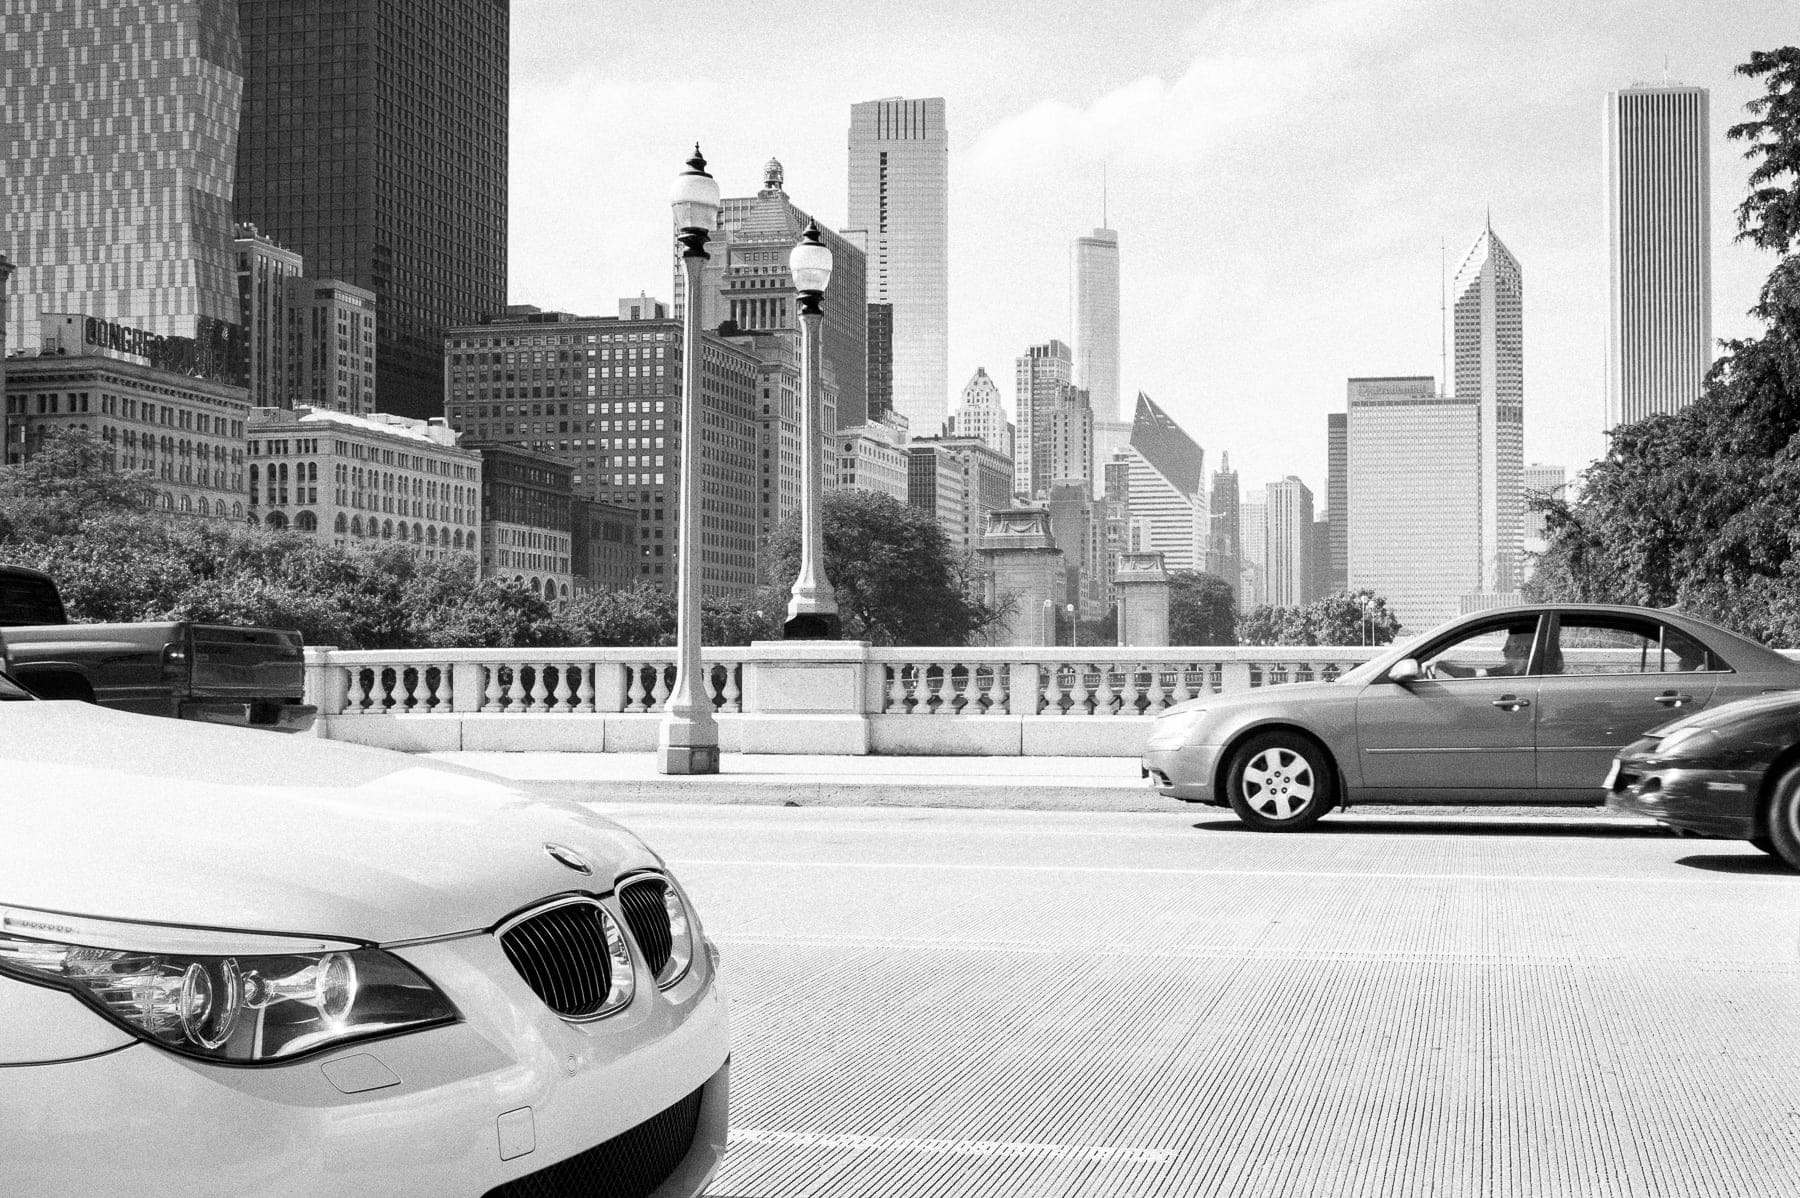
(1280, 782)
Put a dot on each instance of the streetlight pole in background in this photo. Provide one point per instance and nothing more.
(812, 605)
(688, 740)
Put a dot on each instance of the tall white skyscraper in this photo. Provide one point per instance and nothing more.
(1097, 322)
(1042, 375)
(1659, 251)
(1287, 551)
(1489, 345)
(900, 204)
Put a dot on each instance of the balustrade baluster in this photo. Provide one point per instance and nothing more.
(635, 698)
(563, 693)
(660, 687)
(443, 694)
(734, 691)
(584, 686)
(490, 698)
(1078, 689)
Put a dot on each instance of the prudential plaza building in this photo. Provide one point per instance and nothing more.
(900, 205)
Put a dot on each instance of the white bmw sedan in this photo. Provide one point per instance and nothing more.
(233, 963)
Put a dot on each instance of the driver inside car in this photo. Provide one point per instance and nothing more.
(1515, 655)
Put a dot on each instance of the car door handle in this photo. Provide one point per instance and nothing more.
(1671, 699)
(1511, 703)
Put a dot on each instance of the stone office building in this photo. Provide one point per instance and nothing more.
(163, 405)
(351, 480)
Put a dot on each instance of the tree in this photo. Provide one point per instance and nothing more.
(70, 479)
(897, 578)
(1359, 617)
(1698, 508)
(1202, 609)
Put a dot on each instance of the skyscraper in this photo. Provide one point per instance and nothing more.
(1166, 488)
(900, 202)
(1659, 251)
(1335, 570)
(1412, 499)
(1097, 321)
(119, 141)
(1041, 373)
(746, 282)
(1222, 559)
(374, 142)
(264, 272)
(1287, 552)
(1488, 339)
(982, 414)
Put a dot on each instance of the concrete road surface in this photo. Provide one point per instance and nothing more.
(935, 1002)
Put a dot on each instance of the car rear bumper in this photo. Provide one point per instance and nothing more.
(1183, 771)
(1710, 802)
(509, 1093)
(258, 713)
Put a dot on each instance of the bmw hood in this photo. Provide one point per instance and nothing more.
(133, 817)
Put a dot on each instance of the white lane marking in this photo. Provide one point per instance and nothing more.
(1226, 873)
(1020, 1150)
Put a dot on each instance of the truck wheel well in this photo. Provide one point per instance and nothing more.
(1231, 748)
(56, 684)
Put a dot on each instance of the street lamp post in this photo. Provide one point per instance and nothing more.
(812, 613)
(688, 740)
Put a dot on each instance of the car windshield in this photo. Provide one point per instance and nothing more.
(12, 690)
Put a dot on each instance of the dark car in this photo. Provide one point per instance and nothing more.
(1730, 771)
(1520, 705)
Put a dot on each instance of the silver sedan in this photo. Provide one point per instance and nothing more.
(1519, 705)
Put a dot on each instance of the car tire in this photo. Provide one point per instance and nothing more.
(1783, 820)
(1280, 782)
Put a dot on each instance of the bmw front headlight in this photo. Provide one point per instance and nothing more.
(237, 998)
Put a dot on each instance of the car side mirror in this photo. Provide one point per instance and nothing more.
(1405, 670)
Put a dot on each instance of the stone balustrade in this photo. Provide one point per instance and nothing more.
(839, 697)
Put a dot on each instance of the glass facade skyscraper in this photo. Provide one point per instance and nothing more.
(119, 142)
(374, 143)
(900, 203)
(1488, 336)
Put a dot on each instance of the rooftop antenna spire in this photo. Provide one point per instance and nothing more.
(1443, 325)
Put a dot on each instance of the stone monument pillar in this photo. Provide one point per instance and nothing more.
(1143, 600)
(1025, 569)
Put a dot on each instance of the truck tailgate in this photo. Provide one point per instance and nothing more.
(246, 663)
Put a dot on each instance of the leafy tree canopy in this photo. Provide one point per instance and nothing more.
(1358, 617)
(898, 580)
(1202, 609)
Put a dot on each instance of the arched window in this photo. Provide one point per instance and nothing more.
(419, 533)
(237, 511)
(564, 589)
(456, 538)
(255, 477)
(187, 504)
(166, 501)
(356, 526)
(341, 526)
(536, 586)
(278, 521)
(387, 530)
(306, 522)
(403, 533)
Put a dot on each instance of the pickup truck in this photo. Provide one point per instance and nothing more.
(215, 673)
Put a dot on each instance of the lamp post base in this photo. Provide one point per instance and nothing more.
(687, 759)
(811, 626)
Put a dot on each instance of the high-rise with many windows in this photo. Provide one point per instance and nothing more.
(1287, 551)
(119, 140)
(1041, 377)
(1659, 251)
(900, 205)
(604, 394)
(374, 142)
(1166, 489)
(1489, 342)
(1097, 321)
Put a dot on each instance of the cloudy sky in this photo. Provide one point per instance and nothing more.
(1282, 173)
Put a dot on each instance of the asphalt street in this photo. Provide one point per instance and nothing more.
(937, 1002)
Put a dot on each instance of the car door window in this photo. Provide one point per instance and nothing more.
(1612, 645)
(1490, 651)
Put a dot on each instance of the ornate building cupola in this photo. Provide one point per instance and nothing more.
(772, 178)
